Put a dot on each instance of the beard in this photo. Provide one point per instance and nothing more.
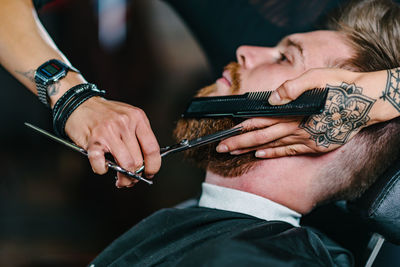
(206, 157)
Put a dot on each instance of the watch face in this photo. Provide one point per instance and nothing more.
(51, 69)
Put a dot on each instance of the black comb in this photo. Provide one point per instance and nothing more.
(255, 104)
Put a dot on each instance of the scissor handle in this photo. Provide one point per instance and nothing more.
(118, 168)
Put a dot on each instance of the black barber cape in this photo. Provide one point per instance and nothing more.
(210, 237)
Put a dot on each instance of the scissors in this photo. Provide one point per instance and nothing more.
(181, 146)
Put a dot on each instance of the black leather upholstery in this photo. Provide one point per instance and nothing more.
(379, 206)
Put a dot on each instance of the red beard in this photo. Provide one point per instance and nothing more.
(206, 156)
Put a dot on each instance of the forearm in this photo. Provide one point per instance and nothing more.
(384, 87)
(25, 45)
(391, 93)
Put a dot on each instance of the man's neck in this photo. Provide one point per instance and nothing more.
(280, 185)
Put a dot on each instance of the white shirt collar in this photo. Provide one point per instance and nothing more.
(223, 198)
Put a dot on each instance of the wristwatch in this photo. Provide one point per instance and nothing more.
(48, 73)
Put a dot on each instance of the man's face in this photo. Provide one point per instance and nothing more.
(266, 68)
(260, 69)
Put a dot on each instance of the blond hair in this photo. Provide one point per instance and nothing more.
(372, 28)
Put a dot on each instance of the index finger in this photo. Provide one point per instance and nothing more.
(150, 148)
(258, 137)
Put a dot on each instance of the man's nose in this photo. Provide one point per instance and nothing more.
(251, 56)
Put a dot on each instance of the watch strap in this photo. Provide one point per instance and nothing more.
(42, 93)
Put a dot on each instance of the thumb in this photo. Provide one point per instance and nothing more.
(292, 89)
(283, 94)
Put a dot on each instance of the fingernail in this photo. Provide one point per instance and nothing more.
(236, 152)
(150, 176)
(260, 153)
(222, 149)
(274, 99)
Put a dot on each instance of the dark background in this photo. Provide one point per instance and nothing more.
(53, 210)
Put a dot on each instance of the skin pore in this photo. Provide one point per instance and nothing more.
(290, 181)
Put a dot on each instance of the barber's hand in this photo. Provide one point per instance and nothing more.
(102, 126)
(353, 103)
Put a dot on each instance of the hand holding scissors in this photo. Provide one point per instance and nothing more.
(181, 146)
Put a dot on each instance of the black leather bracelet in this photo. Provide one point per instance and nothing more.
(69, 96)
(68, 102)
(66, 97)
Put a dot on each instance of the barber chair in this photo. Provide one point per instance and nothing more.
(363, 225)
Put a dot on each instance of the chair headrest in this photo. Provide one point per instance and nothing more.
(379, 206)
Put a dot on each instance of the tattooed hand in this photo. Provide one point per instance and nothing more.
(355, 100)
(346, 112)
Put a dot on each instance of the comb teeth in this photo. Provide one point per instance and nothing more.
(260, 96)
(255, 104)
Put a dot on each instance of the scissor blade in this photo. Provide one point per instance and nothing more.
(57, 139)
(204, 140)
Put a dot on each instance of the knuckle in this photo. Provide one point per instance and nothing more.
(130, 164)
(290, 89)
(124, 119)
(271, 153)
(139, 113)
(291, 151)
(274, 143)
(152, 149)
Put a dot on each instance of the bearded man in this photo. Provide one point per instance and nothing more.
(249, 210)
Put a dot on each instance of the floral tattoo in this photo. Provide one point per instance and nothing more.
(391, 92)
(346, 110)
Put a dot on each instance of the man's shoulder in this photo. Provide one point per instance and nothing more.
(264, 246)
(200, 236)
(169, 234)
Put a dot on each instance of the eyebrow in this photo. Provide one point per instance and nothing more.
(295, 44)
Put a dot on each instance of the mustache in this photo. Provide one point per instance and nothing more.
(233, 69)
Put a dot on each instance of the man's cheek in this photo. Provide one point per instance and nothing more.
(260, 83)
